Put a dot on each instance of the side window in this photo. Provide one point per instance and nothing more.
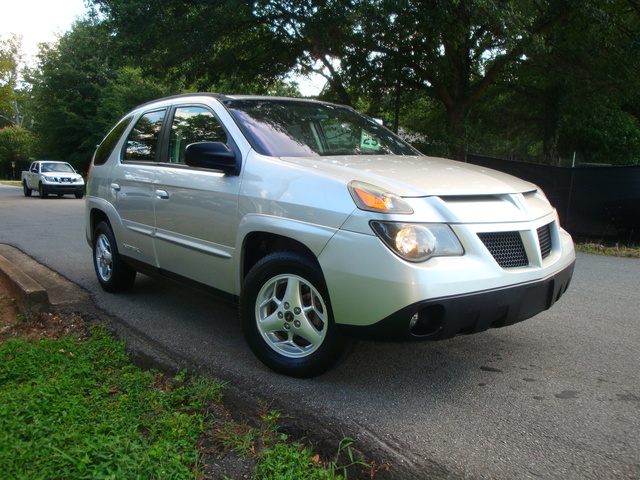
(191, 125)
(142, 142)
(108, 144)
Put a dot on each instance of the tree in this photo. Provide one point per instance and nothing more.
(12, 97)
(201, 42)
(572, 94)
(16, 144)
(81, 88)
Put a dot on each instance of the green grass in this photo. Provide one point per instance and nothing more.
(612, 251)
(77, 408)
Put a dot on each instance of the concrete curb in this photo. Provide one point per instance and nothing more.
(35, 287)
(30, 296)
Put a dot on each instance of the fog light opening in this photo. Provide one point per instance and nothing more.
(427, 321)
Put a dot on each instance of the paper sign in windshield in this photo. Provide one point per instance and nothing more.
(369, 142)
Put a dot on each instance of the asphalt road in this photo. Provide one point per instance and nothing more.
(557, 396)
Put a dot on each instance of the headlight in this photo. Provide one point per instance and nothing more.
(418, 242)
(375, 199)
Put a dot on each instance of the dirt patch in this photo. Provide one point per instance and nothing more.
(54, 324)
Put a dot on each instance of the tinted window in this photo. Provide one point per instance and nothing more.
(108, 144)
(142, 142)
(192, 125)
(295, 128)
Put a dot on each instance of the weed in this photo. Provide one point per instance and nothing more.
(616, 250)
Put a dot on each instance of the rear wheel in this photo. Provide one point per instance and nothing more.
(286, 316)
(113, 274)
(26, 190)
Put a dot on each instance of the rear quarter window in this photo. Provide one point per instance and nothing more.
(108, 144)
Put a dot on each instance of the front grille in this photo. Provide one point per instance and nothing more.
(544, 237)
(506, 247)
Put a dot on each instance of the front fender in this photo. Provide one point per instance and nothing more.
(314, 237)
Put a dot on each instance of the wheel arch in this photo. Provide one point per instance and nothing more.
(260, 235)
(259, 244)
(95, 217)
(98, 210)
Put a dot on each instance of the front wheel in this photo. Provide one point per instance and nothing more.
(41, 191)
(113, 274)
(286, 316)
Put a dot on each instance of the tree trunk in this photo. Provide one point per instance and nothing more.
(551, 128)
(456, 118)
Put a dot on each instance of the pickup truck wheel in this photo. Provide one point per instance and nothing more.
(286, 316)
(42, 192)
(27, 190)
(113, 274)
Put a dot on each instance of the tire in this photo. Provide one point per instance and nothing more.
(113, 274)
(26, 190)
(42, 192)
(79, 195)
(287, 318)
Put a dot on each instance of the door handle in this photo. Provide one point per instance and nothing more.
(162, 194)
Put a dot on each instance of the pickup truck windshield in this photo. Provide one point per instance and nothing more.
(57, 167)
(283, 128)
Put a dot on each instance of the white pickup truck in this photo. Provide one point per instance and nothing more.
(50, 176)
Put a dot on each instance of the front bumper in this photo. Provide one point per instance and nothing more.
(442, 318)
(62, 188)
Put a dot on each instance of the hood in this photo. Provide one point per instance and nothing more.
(417, 176)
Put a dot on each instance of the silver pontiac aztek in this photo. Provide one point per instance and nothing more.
(324, 223)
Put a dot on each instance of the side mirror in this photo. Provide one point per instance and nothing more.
(212, 155)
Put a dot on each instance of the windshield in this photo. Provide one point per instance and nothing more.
(57, 167)
(290, 128)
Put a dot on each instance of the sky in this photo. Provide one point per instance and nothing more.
(38, 21)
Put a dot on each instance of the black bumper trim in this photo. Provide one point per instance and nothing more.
(64, 189)
(447, 317)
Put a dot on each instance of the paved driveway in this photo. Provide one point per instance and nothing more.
(555, 397)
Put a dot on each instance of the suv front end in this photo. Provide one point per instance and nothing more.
(431, 272)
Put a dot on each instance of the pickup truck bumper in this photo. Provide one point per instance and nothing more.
(61, 189)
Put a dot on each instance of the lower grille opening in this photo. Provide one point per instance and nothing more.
(506, 248)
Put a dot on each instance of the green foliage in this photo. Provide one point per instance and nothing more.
(76, 409)
(517, 78)
(128, 89)
(67, 90)
(16, 145)
(610, 251)
(602, 134)
(12, 97)
(82, 88)
(285, 461)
